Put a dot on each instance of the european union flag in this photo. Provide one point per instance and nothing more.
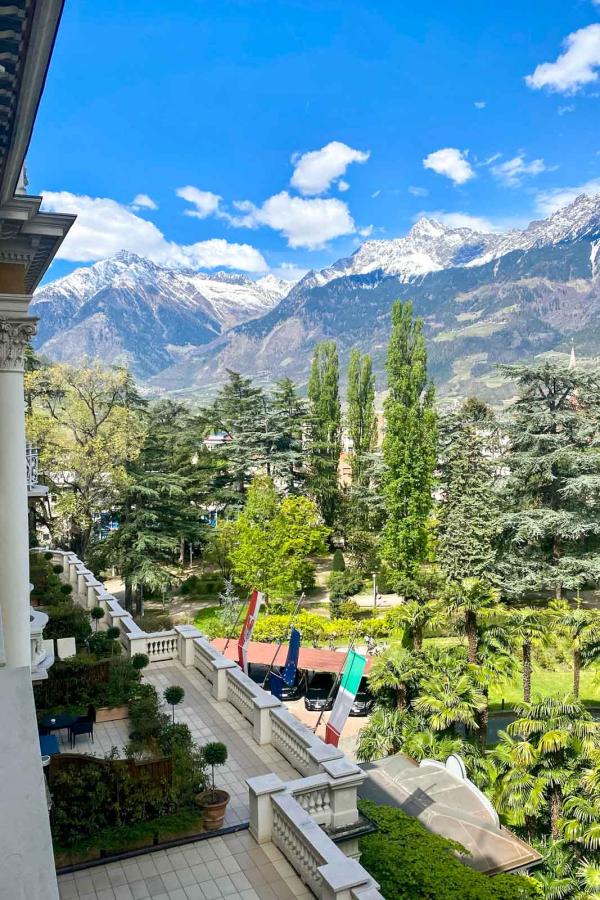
(291, 663)
(276, 685)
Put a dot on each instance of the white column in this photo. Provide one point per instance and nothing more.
(16, 329)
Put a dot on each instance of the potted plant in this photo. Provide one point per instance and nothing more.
(214, 802)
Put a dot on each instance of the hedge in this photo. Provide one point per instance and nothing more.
(411, 863)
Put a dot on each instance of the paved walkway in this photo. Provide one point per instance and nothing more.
(232, 866)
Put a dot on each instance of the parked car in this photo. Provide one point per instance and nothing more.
(319, 693)
(259, 674)
(364, 700)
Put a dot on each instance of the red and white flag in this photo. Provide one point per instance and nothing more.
(246, 634)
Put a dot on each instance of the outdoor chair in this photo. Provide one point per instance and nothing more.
(82, 725)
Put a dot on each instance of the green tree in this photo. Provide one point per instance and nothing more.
(173, 696)
(468, 598)
(394, 673)
(582, 627)
(274, 539)
(87, 423)
(409, 445)
(360, 416)
(158, 507)
(468, 512)
(539, 758)
(324, 429)
(287, 453)
(525, 626)
(448, 701)
(551, 531)
(415, 616)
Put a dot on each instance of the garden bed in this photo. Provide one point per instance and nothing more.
(112, 713)
(117, 840)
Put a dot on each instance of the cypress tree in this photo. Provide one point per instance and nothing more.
(469, 509)
(551, 536)
(324, 429)
(360, 417)
(409, 445)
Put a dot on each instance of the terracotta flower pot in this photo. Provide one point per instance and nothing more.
(214, 804)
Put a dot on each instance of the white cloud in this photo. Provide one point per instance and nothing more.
(315, 171)
(549, 201)
(367, 231)
(562, 110)
(375, 194)
(575, 67)
(480, 104)
(512, 172)
(143, 201)
(343, 185)
(104, 226)
(289, 272)
(205, 202)
(450, 162)
(475, 223)
(304, 223)
(418, 191)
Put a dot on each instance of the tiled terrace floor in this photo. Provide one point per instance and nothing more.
(208, 720)
(232, 866)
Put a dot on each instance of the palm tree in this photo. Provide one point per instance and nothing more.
(448, 701)
(495, 663)
(526, 626)
(394, 672)
(429, 744)
(416, 616)
(581, 822)
(468, 598)
(564, 876)
(383, 736)
(583, 628)
(540, 756)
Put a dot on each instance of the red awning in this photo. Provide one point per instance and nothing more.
(312, 659)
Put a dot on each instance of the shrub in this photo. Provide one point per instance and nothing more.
(349, 609)
(344, 584)
(96, 614)
(191, 585)
(82, 680)
(277, 628)
(139, 661)
(58, 569)
(66, 590)
(46, 555)
(47, 586)
(68, 620)
(145, 716)
(338, 563)
(102, 644)
(281, 607)
(215, 754)
(154, 620)
(173, 696)
(408, 862)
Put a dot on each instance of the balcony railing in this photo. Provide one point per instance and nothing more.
(31, 457)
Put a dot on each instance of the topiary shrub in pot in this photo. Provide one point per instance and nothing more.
(214, 801)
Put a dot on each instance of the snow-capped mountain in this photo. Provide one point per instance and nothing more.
(131, 310)
(485, 298)
(431, 246)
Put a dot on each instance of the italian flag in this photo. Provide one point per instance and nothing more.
(353, 672)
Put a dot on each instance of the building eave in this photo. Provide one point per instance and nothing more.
(31, 237)
(22, 84)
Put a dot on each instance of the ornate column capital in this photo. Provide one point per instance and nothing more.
(15, 334)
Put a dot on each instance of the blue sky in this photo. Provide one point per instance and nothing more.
(457, 109)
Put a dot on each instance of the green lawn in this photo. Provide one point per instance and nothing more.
(545, 682)
(206, 617)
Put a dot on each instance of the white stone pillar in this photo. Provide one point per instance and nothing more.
(16, 329)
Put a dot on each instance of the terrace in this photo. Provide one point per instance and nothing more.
(293, 797)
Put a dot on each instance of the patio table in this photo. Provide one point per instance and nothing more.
(57, 722)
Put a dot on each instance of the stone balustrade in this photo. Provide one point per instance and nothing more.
(280, 813)
(292, 814)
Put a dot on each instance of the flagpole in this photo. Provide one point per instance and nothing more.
(280, 644)
(235, 624)
(338, 677)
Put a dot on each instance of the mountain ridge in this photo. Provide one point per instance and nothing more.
(485, 297)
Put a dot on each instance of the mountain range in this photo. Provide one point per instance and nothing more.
(485, 298)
